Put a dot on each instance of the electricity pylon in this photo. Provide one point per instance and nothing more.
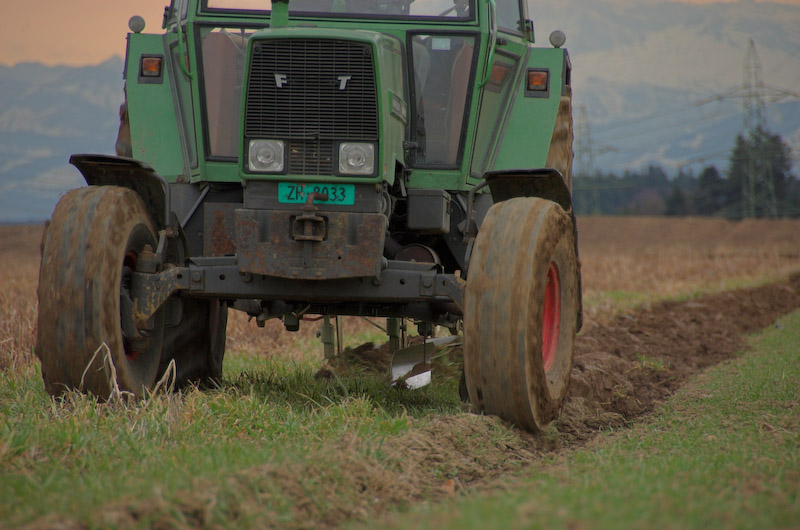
(758, 184)
(584, 159)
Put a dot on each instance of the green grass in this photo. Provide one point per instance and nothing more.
(724, 452)
(276, 446)
(68, 458)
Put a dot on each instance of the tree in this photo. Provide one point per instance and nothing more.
(678, 202)
(711, 197)
(759, 174)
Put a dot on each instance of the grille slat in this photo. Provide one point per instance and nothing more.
(310, 111)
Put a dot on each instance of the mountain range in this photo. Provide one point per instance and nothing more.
(656, 79)
(653, 84)
(46, 114)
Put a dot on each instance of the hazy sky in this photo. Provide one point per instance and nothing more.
(79, 32)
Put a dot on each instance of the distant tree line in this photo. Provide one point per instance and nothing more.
(774, 193)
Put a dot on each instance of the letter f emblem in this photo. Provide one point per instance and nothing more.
(280, 80)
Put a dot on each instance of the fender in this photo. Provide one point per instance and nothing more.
(546, 183)
(105, 170)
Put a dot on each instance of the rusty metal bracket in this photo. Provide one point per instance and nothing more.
(150, 291)
(309, 226)
(451, 287)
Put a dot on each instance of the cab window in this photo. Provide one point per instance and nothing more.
(440, 9)
(442, 68)
(509, 15)
(223, 57)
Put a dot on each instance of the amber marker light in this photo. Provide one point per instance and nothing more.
(499, 74)
(537, 80)
(151, 66)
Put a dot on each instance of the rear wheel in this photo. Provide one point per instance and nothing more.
(520, 317)
(560, 154)
(89, 251)
(196, 343)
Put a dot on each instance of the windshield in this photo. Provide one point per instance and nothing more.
(446, 9)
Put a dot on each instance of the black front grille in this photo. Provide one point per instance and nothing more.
(311, 93)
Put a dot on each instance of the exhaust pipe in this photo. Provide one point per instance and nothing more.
(279, 18)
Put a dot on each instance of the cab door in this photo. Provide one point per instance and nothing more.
(516, 123)
(504, 77)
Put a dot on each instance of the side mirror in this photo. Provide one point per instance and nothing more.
(529, 30)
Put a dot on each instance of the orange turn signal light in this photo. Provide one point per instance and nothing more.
(499, 74)
(151, 66)
(537, 80)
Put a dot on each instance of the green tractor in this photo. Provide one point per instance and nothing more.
(398, 159)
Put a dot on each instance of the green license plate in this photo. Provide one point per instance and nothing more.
(296, 192)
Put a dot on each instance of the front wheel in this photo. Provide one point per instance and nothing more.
(521, 309)
(89, 251)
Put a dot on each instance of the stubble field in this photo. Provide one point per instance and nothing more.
(382, 450)
(626, 262)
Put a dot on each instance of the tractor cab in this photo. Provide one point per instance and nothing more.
(422, 89)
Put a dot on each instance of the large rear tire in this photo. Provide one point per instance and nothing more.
(89, 250)
(521, 306)
(197, 343)
(560, 154)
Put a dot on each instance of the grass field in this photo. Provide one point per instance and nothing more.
(278, 446)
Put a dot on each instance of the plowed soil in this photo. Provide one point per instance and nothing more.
(623, 369)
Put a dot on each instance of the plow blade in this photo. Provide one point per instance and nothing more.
(411, 366)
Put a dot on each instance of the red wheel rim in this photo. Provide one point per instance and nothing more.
(551, 318)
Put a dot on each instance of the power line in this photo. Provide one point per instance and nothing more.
(758, 192)
(702, 158)
(584, 157)
(758, 184)
(584, 150)
(770, 94)
(661, 127)
(659, 114)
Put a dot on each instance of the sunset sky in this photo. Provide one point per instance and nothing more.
(80, 32)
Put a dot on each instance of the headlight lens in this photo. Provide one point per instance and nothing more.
(266, 156)
(356, 159)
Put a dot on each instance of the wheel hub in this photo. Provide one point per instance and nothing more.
(551, 317)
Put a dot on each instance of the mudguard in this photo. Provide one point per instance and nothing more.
(105, 170)
(546, 183)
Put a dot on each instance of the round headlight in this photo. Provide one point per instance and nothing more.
(266, 155)
(356, 159)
